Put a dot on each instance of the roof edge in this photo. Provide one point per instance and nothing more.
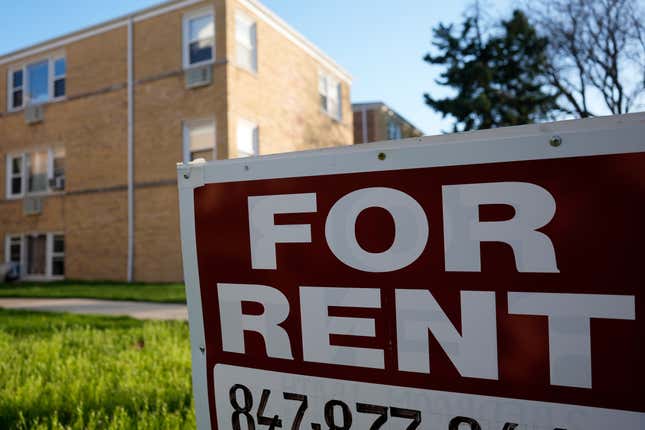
(296, 37)
(258, 8)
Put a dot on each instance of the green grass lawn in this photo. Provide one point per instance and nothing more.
(169, 293)
(62, 371)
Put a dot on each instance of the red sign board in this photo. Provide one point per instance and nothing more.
(421, 285)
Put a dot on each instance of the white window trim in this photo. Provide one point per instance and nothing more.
(334, 87)
(256, 138)
(9, 176)
(186, 126)
(49, 255)
(54, 78)
(7, 247)
(23, 192)
(239, 15)
(186, 37)
(25, 81)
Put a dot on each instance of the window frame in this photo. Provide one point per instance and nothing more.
(187, 17)
(51, 78)
(10, 176)
(54, 78)
(333, 88)
(51, 152)
(253, 27)
(49, 255)
(187, 125)
(256, 138)
(393, 125)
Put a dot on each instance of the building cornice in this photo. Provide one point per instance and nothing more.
(254, 6)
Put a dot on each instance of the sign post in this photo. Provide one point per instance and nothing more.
(487, 280)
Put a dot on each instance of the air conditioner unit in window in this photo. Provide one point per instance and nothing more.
(34, 114)
(199, 76)
(32, 205)
(57, 183)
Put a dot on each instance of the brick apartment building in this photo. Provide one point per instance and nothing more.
(93, 123)
(376, 121)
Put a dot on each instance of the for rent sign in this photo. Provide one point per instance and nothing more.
(482, 281)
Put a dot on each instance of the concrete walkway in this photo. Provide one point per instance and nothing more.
(139, 310)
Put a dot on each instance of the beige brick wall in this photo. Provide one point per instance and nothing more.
(157, 250)
(96, 234)
(97, 62)
(282, 97)
(92, 126)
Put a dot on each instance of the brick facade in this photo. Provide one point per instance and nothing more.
(372, 120)
(91, 124)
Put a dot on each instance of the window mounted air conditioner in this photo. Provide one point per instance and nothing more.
(32, 205)
(199, 76)
(34, 114)
(57, 183)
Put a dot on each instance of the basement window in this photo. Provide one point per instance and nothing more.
(199, 38)
(39, 256)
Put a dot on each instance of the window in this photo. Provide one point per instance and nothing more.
(37, 82)
(199, 140)
(60, 72)
(58, 255)
(14, 251)
(16, 89)
(247, 138)
(38, 255)
(246, 42)
(36, 172)
(37, 177)
(58, 167)
(199, 39)
(15, 173)
(393, 129)
(330, 96)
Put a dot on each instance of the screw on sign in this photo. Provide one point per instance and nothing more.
(480, 284)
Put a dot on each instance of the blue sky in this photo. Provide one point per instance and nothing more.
(380, 42)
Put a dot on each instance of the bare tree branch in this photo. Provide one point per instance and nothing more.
(599, 44)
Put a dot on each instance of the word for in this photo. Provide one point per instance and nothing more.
(463, 231)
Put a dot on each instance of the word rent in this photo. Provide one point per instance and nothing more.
(472, 349)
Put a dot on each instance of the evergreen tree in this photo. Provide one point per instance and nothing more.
(500, 78)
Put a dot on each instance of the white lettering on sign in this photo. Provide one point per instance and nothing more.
(410, 229)
(474, 352)
(265, 234)
(570, 329)
(234, 322)
(463, 231)
(317, 325)
(534, 208)
(473, 348)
